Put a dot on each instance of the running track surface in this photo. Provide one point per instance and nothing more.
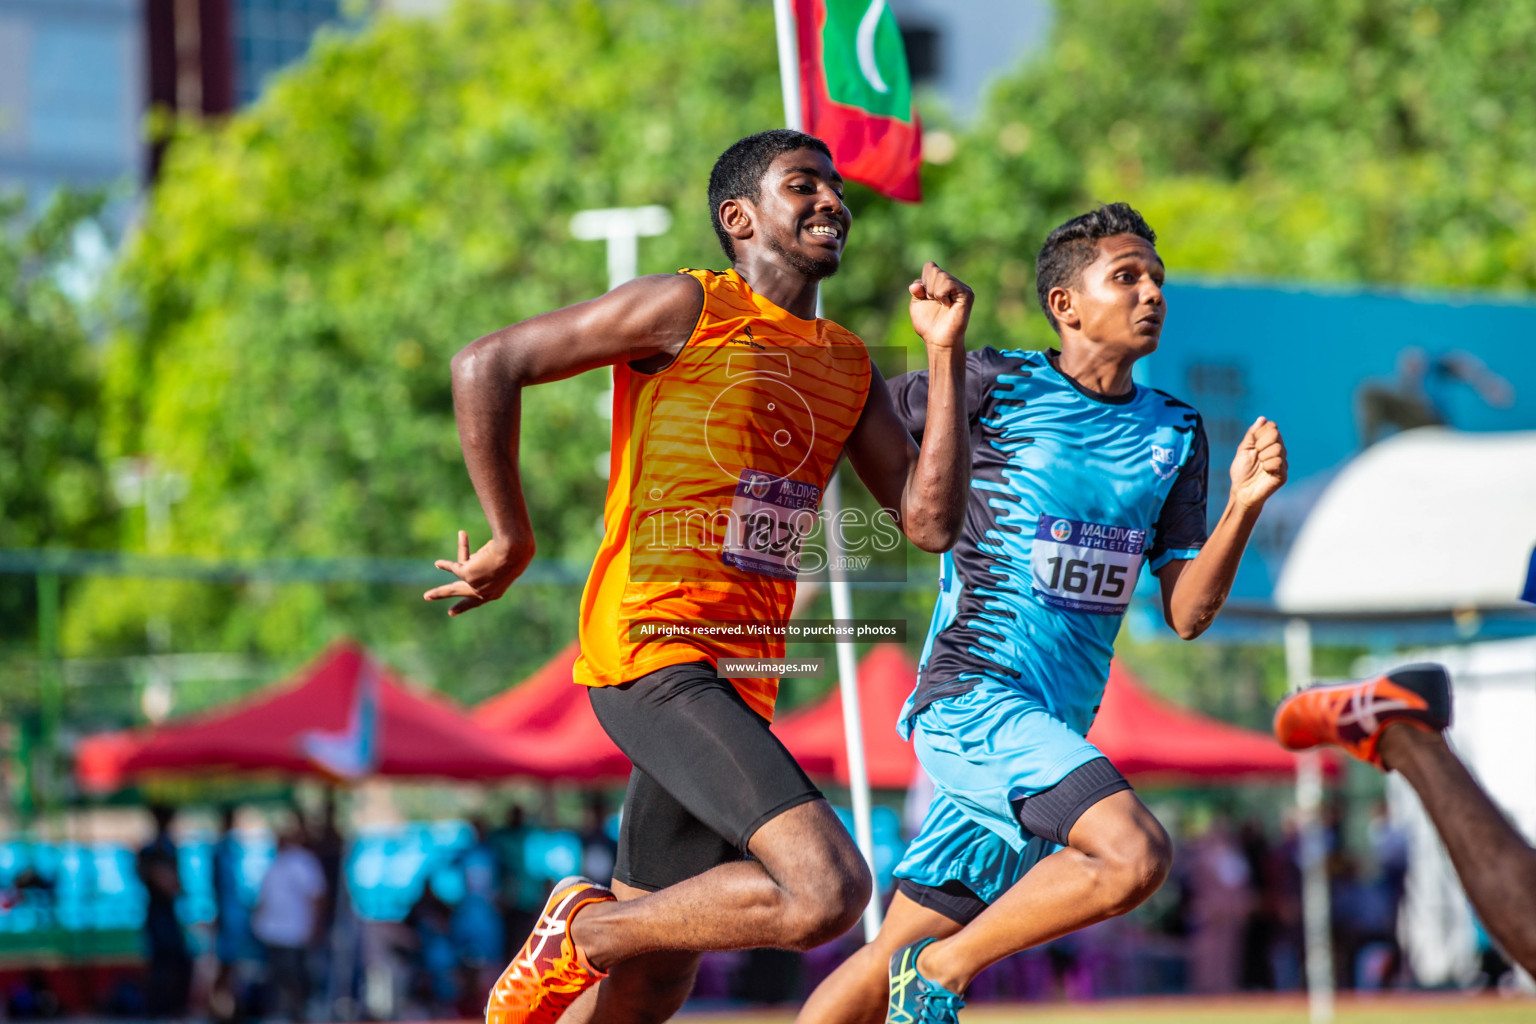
(1456, 1008)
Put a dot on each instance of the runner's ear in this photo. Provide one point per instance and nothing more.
(1063, 307)
(736, 217)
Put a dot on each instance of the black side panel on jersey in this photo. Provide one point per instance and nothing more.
(910, 390)
(1181, 523)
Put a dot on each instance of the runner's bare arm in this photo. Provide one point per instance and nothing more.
(926, 487)
(645, 321)
(1195, 589)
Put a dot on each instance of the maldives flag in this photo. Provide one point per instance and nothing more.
(856, 94)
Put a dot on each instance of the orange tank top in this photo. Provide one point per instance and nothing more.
(715, 480)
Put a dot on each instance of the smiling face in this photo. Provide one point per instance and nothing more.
(1117, 301)
(799, 216)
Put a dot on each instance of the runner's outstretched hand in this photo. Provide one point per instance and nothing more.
(483, 576)
(1259, 467)
(941, 307)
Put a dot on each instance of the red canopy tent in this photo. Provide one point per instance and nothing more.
(1148, 739)
(345, 716)
(542, 701)
(1153, 740)
(547, 720)
(815, 734)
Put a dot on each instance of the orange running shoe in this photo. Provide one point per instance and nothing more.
(549, 972)
(1354, 715)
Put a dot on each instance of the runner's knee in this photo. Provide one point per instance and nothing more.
(823, 882)
(1137, 864)
(821, 911)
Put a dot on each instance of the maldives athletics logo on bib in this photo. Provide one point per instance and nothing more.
(856, 94)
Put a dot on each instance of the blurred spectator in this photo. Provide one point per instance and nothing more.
(329, 846)
(170, 962)
(435, 979)
(521, 894)
(482, 855)
(599, 850)
(1259, 932)
(1389, 845)
(232, 919)
(1363, 925)
(476, 926)
(1418, 395)
(1493, 969)
(1282, 889)
(287, 919)
(339, 940)
(1220, 899)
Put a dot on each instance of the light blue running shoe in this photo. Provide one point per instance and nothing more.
(915, 999)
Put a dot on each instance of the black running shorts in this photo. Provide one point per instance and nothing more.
(708, 773)
(953, 899)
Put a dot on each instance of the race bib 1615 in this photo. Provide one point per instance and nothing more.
(1086, 567)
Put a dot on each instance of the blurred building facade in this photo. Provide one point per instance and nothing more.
(73, 88)
(957, 47)
(77, 77)
(268, 35)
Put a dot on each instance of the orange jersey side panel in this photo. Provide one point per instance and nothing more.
(717, 467)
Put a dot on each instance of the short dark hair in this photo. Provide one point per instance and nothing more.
(1075, 244)
(738, 174)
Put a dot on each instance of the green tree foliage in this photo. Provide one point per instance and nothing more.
(1383, 141)
(52, 489)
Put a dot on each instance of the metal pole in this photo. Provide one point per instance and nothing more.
(621, 228)
(848, 690)
(1314, 844)
(789, 64)
(848, 693)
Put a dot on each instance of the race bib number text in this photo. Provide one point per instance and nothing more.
(770, 519)
(1086, 567)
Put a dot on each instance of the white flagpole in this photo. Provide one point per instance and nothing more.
(1315, 913)
(847, 686)
(842, 598)
(789, 65)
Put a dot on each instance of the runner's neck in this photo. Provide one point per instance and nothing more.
(788, 289)
(1097, 377)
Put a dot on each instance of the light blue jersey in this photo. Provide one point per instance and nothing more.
(1072, 492)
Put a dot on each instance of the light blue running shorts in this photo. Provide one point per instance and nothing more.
(985, 749)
